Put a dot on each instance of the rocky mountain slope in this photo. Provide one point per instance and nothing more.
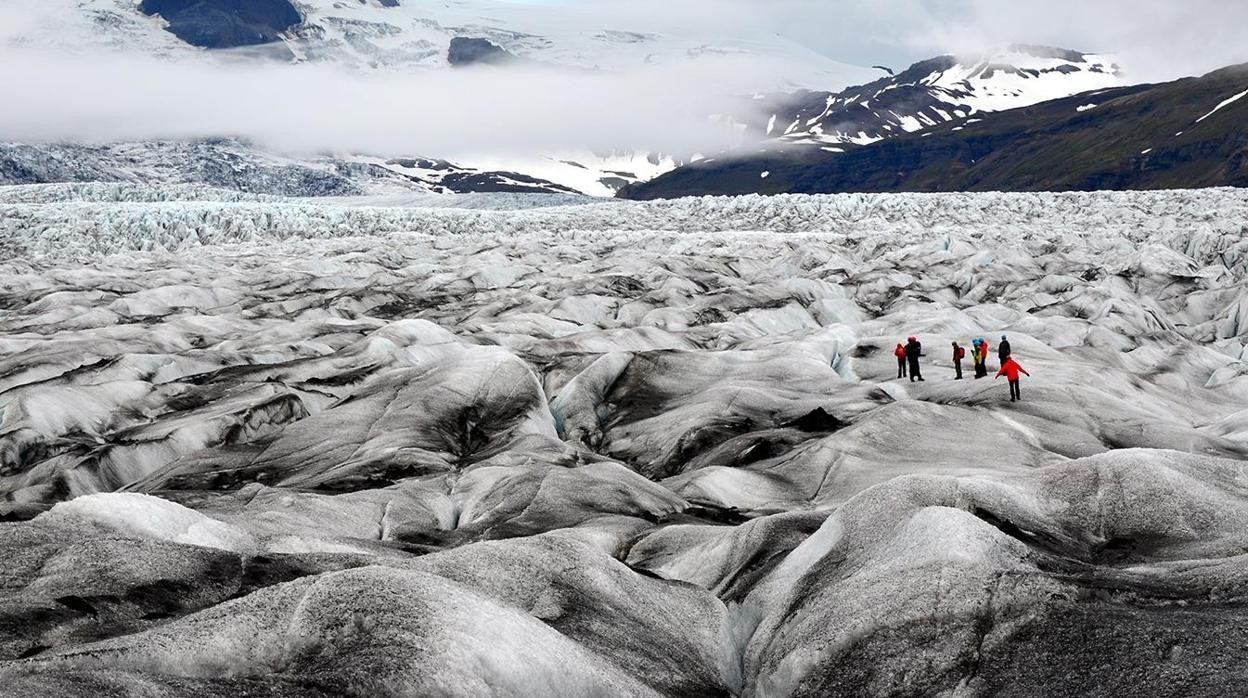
(224, 23)
(1187, 133)
(620, 448)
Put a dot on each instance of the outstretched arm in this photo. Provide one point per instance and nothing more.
(1024, 371)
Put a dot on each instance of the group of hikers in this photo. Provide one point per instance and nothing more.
(908, 362)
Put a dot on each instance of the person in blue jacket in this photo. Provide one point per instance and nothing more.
(979, 352)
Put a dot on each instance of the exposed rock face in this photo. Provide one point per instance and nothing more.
(469, 51)
(225, 23)
(520, 450)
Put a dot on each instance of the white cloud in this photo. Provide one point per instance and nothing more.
(436, 112)
(86, 90)
(1155, 39)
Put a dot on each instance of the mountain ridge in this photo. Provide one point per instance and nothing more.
(1182, 134)
(935, 91)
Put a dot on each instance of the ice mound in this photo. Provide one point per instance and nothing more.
(67, 581)
(372, 630)
(937, 582)
(144, 516)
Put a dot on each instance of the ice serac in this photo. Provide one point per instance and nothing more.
(530, 445)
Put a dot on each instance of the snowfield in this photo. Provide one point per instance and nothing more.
(548, 445)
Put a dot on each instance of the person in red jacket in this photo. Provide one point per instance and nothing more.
(900, 353)
(958, 354)
(1010, 369)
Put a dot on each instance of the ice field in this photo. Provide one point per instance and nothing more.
(510, 445)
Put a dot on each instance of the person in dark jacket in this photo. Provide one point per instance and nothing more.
(1010, 369)
(900, 353)
(1003, 350)
(958, 354)
(914, 349)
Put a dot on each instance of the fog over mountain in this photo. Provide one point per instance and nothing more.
(104, 72)
(86, 71)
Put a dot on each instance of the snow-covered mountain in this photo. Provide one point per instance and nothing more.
(936, 91)
(407, 34)
(1185, 134)
(585, 172)
(404, 37)
(248, 167)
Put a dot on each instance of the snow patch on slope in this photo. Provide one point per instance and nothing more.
(1223, 104)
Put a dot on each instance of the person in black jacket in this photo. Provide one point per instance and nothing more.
(1003, 351)
(914, 349)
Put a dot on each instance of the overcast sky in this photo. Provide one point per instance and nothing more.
(1157, 39)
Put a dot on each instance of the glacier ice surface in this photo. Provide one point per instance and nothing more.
(529, 445)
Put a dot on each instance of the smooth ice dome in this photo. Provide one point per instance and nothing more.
(529, 446)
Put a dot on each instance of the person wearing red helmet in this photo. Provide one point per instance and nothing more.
(1010, 369)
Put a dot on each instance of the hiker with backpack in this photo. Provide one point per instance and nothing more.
(958, 354)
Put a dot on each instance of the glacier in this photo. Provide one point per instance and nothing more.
(514, 444)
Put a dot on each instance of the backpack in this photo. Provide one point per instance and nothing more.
(959, 354)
